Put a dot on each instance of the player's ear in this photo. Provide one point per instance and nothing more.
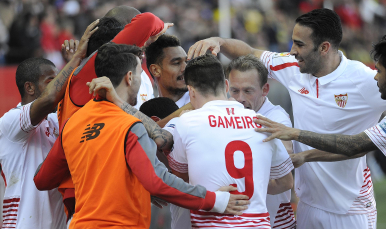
(324, 47)
(129, 78)
(265, 89)
(155, 118)
(192, 91)
(29, 88)
(155, 70)
(226, 86)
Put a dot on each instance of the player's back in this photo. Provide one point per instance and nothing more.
(223, 149)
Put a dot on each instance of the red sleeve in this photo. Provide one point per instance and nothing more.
(154, 176)
(53, 169)
(137, 32)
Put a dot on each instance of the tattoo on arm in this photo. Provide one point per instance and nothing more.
(61, 81)
(162, 138)
(348, 145)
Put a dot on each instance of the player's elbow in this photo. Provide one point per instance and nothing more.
(42, 185)
(280, 185)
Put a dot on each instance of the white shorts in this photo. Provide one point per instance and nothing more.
(308, 217)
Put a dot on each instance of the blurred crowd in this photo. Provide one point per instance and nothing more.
(30, 28)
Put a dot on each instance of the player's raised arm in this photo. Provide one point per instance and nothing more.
(231, 48)
(349, 145)
(103, 87)
(54, 91)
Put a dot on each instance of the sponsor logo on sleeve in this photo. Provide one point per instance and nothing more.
(284, 54)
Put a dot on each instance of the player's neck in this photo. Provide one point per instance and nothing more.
(202, 100)
(163, 92)
(331, 64)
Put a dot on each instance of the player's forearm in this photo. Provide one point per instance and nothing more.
(175, 114)
(349, 145)
(319, 155)
(53, 93)
(143, 26)
(233, 48)
(161, 137)
(277, 186)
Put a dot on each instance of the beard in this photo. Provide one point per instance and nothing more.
(311, 63)
(177, 91)
(133, 101)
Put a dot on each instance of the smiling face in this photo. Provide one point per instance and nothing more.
(380, 77)
(246, 89)
(304, 50)
(172, 70)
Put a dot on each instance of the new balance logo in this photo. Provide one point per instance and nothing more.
(303, 91)
(92, 132)
(231, 111)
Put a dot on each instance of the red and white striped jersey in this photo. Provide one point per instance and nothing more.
(377, 134)
(345, 101)
(279, 206)
(22, 148)
(220, 147)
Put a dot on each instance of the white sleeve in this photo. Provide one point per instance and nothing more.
(177, 157)
(281, 66)
(16, 124)
(377, 135)
(281, 163)
(368, 87)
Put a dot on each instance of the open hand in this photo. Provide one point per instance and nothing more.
(103, 87)
(70, 47)
(201, 47)
(298, 159)
(277, 130)
(155, 37)
(237, 204)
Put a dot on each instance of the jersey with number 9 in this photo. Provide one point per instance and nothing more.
(220, 147)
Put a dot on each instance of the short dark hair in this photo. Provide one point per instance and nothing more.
(249, 62)
(29, 71)
(115, 60)
(124, 14)
(160, 107)
(378, 53)
(108, 28)
(206, 74)
(325, 25)
(154, 52)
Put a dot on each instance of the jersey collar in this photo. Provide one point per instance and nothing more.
(336, 73)
(223, 103)
(267, 105)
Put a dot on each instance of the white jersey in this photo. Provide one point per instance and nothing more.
(180, 216)
(145, 92)
(279, 206)
(185, 99)
(345, 101)
(22, 148)
(377, 134)
(219, 146)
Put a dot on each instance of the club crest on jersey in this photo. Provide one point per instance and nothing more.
(341, 100)
(143, 97)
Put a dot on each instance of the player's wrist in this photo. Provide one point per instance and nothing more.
(295, 134)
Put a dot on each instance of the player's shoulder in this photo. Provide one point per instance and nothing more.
(276, 57)
(359, 71)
